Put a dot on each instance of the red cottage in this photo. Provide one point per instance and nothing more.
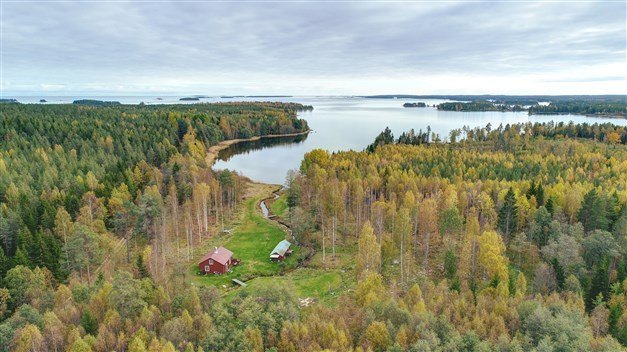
(218, 261)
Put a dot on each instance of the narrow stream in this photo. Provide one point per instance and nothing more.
(264, 209)
(268, 215)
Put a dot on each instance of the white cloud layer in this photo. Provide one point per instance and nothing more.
(314, 48)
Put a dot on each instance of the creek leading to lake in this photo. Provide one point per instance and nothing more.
(344, 123)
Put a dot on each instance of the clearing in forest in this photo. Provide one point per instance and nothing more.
(251, 239)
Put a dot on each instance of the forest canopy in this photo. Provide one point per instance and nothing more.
(494, 237)
(55, 160)
(507, 238)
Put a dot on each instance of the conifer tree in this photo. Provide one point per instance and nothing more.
(593, 212)
(508, 214)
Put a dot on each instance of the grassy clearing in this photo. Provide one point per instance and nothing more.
(323, 285)
(279, 206)
(251, 240)
(322, 281)
(345, 254)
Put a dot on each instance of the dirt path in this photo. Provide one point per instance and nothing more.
(212, 152)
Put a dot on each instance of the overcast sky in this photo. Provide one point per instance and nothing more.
(313, 48)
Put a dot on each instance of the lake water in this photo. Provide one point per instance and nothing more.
(338, 123)
(353, 123)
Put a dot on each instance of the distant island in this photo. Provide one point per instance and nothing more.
(478, 106)
(190, 99)
(509, 99)
(255, 96)
(267, 96)
(415, 105)
(4, 100)
(591, 105)
(590, 108)
(92, 102)
(609, 108)
(43, 101)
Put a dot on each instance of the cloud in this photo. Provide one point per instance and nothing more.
(302, 47)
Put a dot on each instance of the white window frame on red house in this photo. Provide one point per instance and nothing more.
(207, 268)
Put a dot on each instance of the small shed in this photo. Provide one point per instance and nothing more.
(218, 261)
(281, 251)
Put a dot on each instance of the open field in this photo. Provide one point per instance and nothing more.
(322, 285)
(251, 239)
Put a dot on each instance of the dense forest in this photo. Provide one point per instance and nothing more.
(580, 107)
(480, 105)
(415, 105)
(77, 181)
(93, 102)
(511, 238)
(602, 108)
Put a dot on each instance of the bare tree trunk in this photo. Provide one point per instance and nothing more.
(334, 234)
(402, 253)
(204, 209)
(199, 222)
(88, 256)
(415, 241)
(175, 224)
(127, 238)
(428, 240)
(215, 203)
(91, 215)
(187, 236)
(324, 248)
(164, 235)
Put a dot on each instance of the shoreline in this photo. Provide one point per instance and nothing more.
(214, 150)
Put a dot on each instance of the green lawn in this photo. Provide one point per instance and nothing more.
(323, 285)
(279, 206)
(251, 241)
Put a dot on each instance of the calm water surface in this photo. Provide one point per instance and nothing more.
(353, 123)
(338, 123)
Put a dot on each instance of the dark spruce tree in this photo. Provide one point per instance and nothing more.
(540, 194)
(560, 276)
(385, 137)
(550, 206)
(600, 284)
(592, 214)
(508, 214)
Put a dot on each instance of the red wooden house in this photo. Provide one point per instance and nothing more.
(218, 261)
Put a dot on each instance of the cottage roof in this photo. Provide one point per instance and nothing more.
(220, 255)
(281, 248)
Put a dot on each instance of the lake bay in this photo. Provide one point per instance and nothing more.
(344, 123)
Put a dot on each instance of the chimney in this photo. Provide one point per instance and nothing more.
(215, 250)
